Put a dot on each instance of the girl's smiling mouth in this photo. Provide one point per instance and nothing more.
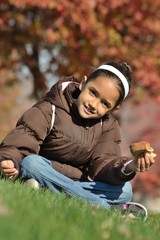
(88, 110)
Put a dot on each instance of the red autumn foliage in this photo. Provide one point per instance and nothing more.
(82, 33)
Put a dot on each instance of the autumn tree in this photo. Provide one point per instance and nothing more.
(73, 35)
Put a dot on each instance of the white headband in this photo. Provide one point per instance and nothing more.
(119, 75)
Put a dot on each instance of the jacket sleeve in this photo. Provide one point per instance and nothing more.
(29, 133)
(107, 162)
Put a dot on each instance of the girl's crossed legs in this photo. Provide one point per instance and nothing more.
(97, 193)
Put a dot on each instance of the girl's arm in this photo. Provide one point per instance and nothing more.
(107, 163)
(30, 131)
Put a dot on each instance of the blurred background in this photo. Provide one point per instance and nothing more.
(42, 41)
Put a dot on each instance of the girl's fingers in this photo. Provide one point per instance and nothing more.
(144, 162)
(138, 165)
(11, 175)
(147, 162)
(9, 172)
(7, 164)
(141, 166)
(150, 157)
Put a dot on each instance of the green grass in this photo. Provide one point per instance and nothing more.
(27, 214)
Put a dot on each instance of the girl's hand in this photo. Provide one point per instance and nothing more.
(7, 169)
(144, 161)
(141, 163)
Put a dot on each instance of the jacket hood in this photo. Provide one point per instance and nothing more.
(64, 93)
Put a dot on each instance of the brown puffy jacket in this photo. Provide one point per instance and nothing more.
(77, 147)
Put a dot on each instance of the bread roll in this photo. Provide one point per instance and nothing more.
(141, 147)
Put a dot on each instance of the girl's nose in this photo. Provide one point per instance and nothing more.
(93, 104)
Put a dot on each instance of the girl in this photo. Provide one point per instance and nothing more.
(70, 141)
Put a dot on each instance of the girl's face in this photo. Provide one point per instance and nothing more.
(97, 97)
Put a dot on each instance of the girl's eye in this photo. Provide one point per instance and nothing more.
(93, 92)
(104, 104)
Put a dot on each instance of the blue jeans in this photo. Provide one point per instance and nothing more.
(97, 193)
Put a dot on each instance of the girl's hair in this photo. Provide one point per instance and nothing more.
(124, 68)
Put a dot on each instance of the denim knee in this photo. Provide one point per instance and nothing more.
(33, 166)
(30, 162)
